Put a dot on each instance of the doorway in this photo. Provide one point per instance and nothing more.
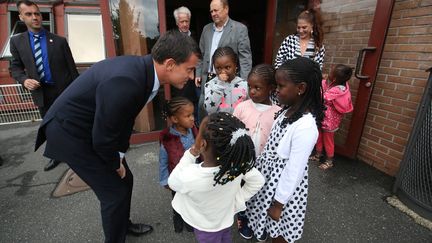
(254, 17)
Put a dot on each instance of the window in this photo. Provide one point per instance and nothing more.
(85, 37)
(17, 26)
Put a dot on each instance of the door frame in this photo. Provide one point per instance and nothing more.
(371, 62)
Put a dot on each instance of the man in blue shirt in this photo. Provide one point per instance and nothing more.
(42, 62)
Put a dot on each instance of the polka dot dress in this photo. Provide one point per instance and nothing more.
(290, 224)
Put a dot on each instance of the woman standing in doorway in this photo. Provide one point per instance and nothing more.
(308, 42)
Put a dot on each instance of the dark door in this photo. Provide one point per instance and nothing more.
(253, 16)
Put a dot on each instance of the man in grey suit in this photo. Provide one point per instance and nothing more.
(222, 32)
(42, 62)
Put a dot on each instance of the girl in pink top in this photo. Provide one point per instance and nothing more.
(258, 115)
(337, 100)
(258, 112)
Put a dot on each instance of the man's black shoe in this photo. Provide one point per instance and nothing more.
(51, 164)
(139, 229)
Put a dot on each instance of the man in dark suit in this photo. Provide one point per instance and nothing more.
(224, 31)
(90, 123)
(42, 62)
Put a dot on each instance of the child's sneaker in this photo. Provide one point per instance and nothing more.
(243, 228)
(263, 237)
(246, 232)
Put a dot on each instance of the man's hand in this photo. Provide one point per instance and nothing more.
(275, 210)
(31, 84)
(122, 170)
(198, 81)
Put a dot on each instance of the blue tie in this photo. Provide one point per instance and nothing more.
(38, 58)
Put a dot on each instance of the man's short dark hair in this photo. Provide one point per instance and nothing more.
(25, 2)
(175, 45)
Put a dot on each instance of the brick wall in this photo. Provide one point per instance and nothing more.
(399, 85)
(401, 76)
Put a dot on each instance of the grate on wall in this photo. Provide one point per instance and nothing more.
(414, 180)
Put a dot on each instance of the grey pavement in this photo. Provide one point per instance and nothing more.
(345, 204)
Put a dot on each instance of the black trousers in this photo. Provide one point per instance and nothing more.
(50, 94)
(113, 192)
(114, 195)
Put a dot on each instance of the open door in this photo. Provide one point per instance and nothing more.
(354, 34)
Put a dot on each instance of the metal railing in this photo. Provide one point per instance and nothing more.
(16, 105)
(413, 184)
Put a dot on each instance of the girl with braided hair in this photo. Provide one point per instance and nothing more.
(258, 114)
(226, 90)
(174, 140)
(278, 209)
(209, 194)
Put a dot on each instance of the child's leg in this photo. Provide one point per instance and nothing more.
(318, 148)
(177, 219)
(328, 138)
(319, 144)
(243, 228)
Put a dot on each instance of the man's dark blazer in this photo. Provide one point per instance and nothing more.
(23, 66)
(95, 115)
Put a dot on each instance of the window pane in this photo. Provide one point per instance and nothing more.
(136, 30)
(85, 37)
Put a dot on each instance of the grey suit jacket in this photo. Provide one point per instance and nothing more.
(62, 65)
(235, 35)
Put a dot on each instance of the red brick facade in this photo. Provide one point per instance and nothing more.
(400, 81)
(399, 86)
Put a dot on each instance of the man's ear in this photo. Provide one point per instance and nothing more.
(169, 64)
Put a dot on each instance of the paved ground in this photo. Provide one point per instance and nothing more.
(345, 204)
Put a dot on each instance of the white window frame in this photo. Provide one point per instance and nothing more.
(86, 49)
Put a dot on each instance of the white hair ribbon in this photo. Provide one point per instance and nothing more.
(236, 134)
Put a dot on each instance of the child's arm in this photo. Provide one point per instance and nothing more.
(254, 180)
(182, 173)
(213, 97)
(302, 144)
(163, 166)
(238, 111)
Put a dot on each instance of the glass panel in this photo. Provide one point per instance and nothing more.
(136, 30)
(85, 37)
(347, 26)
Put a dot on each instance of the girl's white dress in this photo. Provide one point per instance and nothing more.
(283, 164)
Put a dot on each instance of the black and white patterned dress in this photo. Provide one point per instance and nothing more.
(283, 164)
(290, 49)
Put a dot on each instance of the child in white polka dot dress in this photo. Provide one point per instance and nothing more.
(279, 208)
